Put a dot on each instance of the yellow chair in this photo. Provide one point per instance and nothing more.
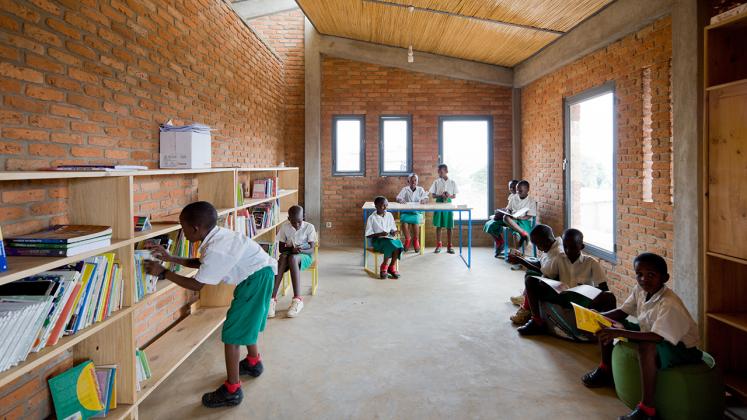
(421, 228)
(374, 256)
(313, 268)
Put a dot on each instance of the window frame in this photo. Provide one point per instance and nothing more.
(491, 162)
(608, 87)
(382, 119)
(349, 117)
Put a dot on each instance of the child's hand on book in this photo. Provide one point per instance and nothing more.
(153, 268)
(158, 252)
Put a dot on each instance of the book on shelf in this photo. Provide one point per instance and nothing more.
(106, 377)
(3, 258)
(266, 214)
(142, 223)
(94, 168)
(242, 223)
(84, 391)
(23, 249)
(64, 234)
(142, 367)
(265, 188)
(240, 194)
(144, 283)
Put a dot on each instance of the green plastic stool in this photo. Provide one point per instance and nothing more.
(682, 392)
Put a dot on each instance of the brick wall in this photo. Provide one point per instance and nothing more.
(87, 81)
(641, 226)
(350, 87)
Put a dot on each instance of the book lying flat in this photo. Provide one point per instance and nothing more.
(93, 168)
(517, 214)
(58, 252)
(64, 234)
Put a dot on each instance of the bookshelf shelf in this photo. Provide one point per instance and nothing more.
(260, 232)
(726, 257)
(251, 202)
(122, 411)
(737, 320)
(159, 228)
(737, 383)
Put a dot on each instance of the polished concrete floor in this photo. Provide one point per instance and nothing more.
(435, 344)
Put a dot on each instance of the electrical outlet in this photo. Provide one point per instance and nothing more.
(329, 225)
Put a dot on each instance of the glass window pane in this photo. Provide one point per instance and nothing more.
(465, 151)
(592, 170)
(395, 147)
(348, 146)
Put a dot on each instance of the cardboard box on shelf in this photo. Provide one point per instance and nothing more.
(185, 150)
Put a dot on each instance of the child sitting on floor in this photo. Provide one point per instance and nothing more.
(411, 220)
(494, 227)
(521, 200)
(666, 334)
(229, 257)
(381, 229)
(443, 190)
(296, 239)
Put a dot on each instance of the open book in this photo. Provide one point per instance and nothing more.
(589, 320)
(517, 214)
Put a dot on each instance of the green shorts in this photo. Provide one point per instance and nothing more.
(305, 261)
(494, 227)
(247, 316)
(412, 217)
(668, 354)
(386, 246)
(443, 219)
(525, 224)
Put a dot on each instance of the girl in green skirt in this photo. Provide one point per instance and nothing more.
(411, 220)
(381, 229)
(443, 190)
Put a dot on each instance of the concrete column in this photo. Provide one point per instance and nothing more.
(516, 132)
(313, 116)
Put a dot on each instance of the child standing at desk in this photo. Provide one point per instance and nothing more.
(411, 220)
(443, 190)
(381, 229)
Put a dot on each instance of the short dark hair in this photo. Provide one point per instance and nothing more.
(656, 260)
(443, 166)
(522, 182)
(574, 233)
(541, 230)
(201, 214)
(513, 181)
(295, 210)
(380, 199)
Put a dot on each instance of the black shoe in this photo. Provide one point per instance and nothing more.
(222, 398)
(253, 371)
(598, 378)
(405, 249)
(531, 328)
(638, 414)
(437, 250)
(450, 250)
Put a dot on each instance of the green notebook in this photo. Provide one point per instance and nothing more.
(75, 392)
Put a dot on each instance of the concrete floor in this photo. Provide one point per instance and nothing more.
(435, 344)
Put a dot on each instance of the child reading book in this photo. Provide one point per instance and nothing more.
(443, 190)
(381, 229)
(296, 239)
(520, 211)
(229, 257)
(666, 334)
(411, 220)
(494, 226)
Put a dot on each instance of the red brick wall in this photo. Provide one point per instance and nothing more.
(641, 226)
(350, 87)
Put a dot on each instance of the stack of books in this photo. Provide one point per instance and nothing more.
(265, 188)
(142, 223)
(266, 215)
(37, 310)
(242, 223)
(84, 391)
(142, 367)
(60, 241)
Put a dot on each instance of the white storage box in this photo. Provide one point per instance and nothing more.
(185, 150)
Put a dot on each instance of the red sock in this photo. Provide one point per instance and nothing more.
(232, 388)
(604, 366)
(407, 243)
(384, 267)
(254, 360)
(649, 411)
(450, 245)
(525, 305)
(416, 244)
(392, 269)
(439, 244)
(498, 242)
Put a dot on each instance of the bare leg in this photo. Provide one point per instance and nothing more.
(406, 230)
(416, 231)
(647, 363)
(438, 235)
(510, 222)
(295, 271)
(448, 235)
(252, 350)
(282, 268)
(232, 363)
(606, 350)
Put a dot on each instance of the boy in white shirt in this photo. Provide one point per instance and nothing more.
(494, 226)
(232, 258)
(381, 229)
(411, 220)
(521, 200)
(666, 334)
(443, 190)
(296, 239)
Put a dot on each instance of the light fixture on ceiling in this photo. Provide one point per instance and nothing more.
(410, 56)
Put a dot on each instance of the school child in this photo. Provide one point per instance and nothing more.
(666, 334)
(551, 248)
(443, 190)
(411, 220)
(381, 229)
(296, 239)
(570, 268)
(521, 200)
(229, 257)
(494, 227)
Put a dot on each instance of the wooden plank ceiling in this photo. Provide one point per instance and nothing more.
(500, 32)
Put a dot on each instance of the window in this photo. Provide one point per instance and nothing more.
(590, 168)
(348, 151)
(466, 146)
(395, 145)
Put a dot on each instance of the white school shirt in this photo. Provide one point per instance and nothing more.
(410, 196)
(230, 257)
(516, 203)
(440, 186)
(549, 260)
(289, 235)
(510, 196)
(663, 314)
(586, 270)
(378, 224)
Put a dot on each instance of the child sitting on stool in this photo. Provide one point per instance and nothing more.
(381, 229)
(411, 220)
(494, 227)
(518, 201)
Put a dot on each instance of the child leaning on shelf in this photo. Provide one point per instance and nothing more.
(494, 226)
(666, 333)
(521, 200)
(411, 220)
(296, 239)
(381, 229)
(443, 190)
(232, 258)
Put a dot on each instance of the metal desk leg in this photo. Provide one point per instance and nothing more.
(365, 254)
(469, 239)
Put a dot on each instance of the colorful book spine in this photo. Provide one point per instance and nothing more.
(3, 258)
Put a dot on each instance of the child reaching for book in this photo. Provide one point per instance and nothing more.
(232, 258)
(381, 229)
(521, 209)
(411, 220)
(666, 334)
(494, 226)
(443, 190)
(296, 239)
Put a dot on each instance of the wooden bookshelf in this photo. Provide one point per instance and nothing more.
(725, 186)
(112, 341)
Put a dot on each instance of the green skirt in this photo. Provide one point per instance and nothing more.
(525, 224)
(412, 217)
(247, 316)
(305, 261)
(443, 219)
(494, 227)
(386, 246)
(669, 355)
